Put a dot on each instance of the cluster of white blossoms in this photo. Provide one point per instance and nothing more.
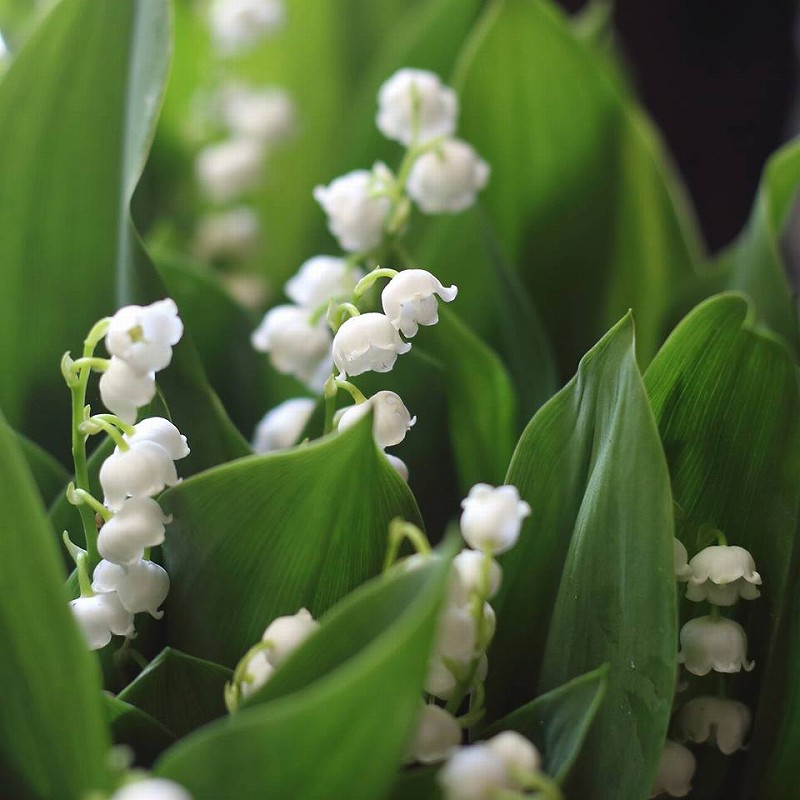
(720, 574)
(491, 523)
(281, 638)
(124, 581)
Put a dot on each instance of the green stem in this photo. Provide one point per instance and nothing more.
(80, 496)
(97, 423)
(368, 280)
(400, 530)
(352, 390)
(100, 364)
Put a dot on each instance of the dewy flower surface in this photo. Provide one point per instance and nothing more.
(492, 517)
(409, 300)
(367, 343)
(415, 107)
(718, 644)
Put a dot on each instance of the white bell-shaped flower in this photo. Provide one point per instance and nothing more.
(722, 574)
(281, 427)
(163, 432)
(517, 754)
(492, 517)
(680, 560)
(285, 634)
(357, 207)
(716, 719)
(367, 343)
(409, 300)
(100, 616)
(144, 336)
(448, 178)
(390, 421)
(230, 235)
(137, 525)
(140, 585)
(295, 345)
(675, 771)
(227, 170)
(415, 107)
(718, 644)
(436, 735)
(473, 773)
(398, 465)
(266, 114)
(257, 672)
(124, 390)
(237, 25)
(143, 470)
(441, 682)
(320, 279)
(152, 789)
(470, 566)
(457, 634)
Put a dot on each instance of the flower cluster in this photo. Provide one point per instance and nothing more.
(719, 574)
(124, 581)
(281, 638)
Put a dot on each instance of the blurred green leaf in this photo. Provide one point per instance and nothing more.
(591, 466)
(53, 736)
(50, 475)
(581, 195)
(131, 726)
(725, 395)
(181, 692)
(266, 535)
(337, 719)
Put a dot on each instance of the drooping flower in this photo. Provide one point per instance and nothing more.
(281, 427)
(718, 644)
(447, 179)
(675, 771)
(124, 390)
(257, 672)
(391, 419)
(716, 719)
(409, 300)
(680, 560)
(398, 465)
(163, 432)
(140, 585)
(473, 773)
(285, 634)
(320, 279)
(722, 574)
(101, 615)
(137, 525)
(227, 170)
(517, 754)
(436, 735)
(233, 234)
(237, 25)
(366, 343)
(415, 107)
(469, 566)
(143, 470)
(492, 517)
(266, 114)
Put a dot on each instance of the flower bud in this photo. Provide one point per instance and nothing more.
(151, 789)
(366, 343)
(231, 235)
(722, 574)
(517, 754)
(140, 585)
(101, 615)
(237, 25)
(321, 279)
(448, 178)
(295, 346)
(265, 114)
(473, 773)
(492, 517)
(391, 420)
(675, 771)
(143, 336)
(163, 432)
(281, 427)
(398, 465)
(436, 735)
(680, 562)
(124, 390)
(137, 525)
(227, 170)
(470, 565)
(257, 673)
(143, 470)
(409, 300)
(285, 634)
(357, 207)
(718, 644)
(415, 107)
(707, 719)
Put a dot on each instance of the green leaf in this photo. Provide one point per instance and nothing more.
(590, 580)
(336, 721)
(754, 263)
(179, 691)
(266, 535)
(725, 395)
(581, 195)
(50, 475)
(131, 726)
(53, 737)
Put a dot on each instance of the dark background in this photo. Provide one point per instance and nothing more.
(720, 80)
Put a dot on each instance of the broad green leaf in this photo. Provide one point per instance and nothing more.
(266, 535)
(342, 709)
(131, 726)
(754, 263)
(50, 475)
(179, 691)
(590, 580)
(53, 736)
(725, 395)
(581, 195)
